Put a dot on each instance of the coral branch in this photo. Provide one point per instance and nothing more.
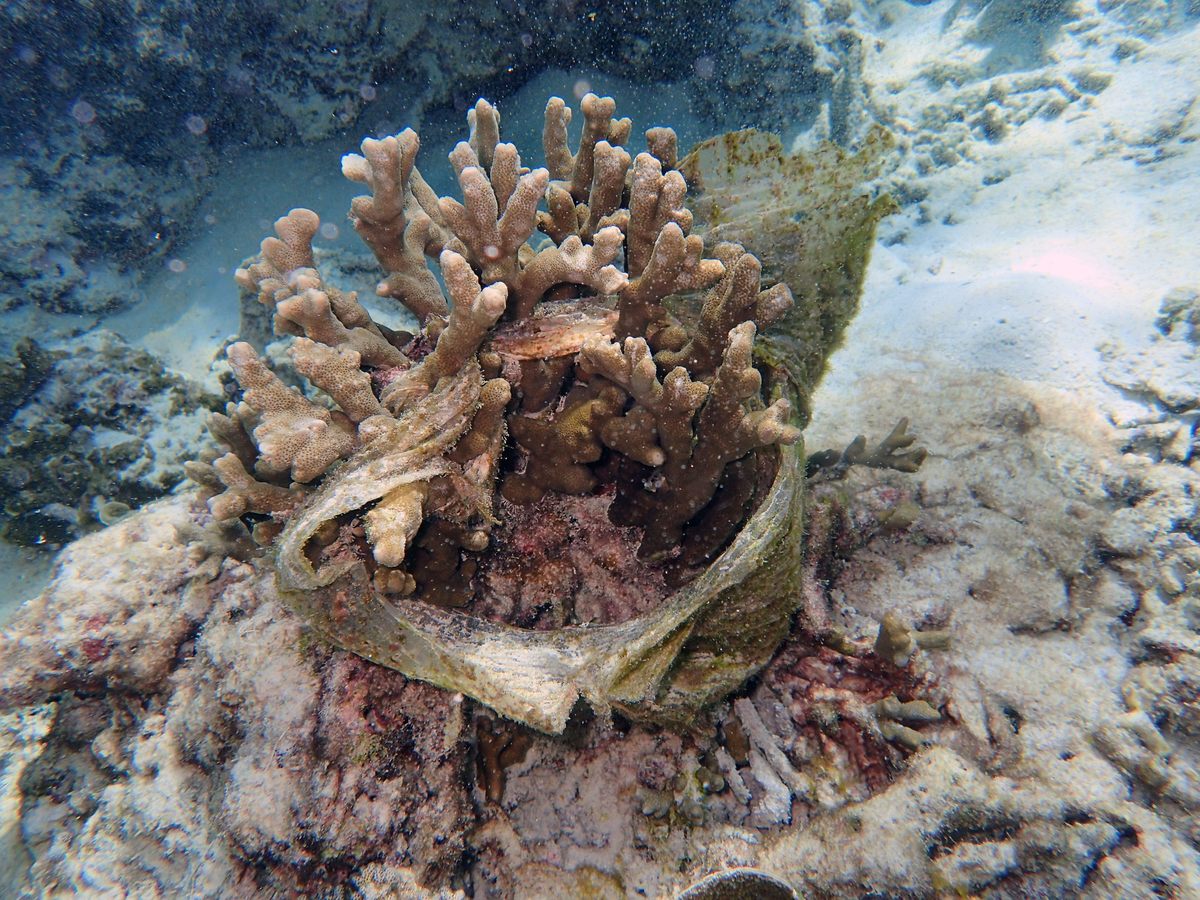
(578, 169)
(654, 200)
(243, 493)
(475, 311)
(398, 221)
(830, 465)
(393, 522)
(335, 370)
(291, 432)
(311, 311)
(490, 239)
(658, 430)
(733, 300)
(572, 262)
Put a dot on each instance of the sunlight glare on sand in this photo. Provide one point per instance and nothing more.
(1069, 264)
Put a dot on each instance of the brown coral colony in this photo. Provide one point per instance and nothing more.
(583, 345)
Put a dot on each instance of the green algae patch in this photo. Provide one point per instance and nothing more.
(810, 218)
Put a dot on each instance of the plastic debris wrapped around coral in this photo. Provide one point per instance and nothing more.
(588, 352)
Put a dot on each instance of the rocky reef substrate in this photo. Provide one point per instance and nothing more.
(170, 723)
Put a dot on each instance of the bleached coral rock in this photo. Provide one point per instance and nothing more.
(192, 745)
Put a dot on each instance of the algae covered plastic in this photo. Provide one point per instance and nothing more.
(661, 667)
(725, 512)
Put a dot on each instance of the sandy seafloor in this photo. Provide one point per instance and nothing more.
(1032, 264)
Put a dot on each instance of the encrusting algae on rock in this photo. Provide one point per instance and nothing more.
(586, 353)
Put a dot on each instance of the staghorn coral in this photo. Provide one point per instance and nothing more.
(607, 357)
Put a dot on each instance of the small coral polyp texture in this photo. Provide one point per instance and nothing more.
(584, 345)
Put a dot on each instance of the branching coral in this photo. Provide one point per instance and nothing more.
(831, 465)
(608, 356)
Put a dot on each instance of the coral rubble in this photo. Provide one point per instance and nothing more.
(607, 355)
(89, 434)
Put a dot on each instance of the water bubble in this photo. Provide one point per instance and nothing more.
(178, 266)
(329, 231)
(239, 79)
(581, 88)
(83, 112)
(367, 92)
(197, 167)
(58, 76)
(196, 125)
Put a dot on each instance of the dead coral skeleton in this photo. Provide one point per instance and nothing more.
(821, 727)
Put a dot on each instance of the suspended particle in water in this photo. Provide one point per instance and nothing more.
(210, 219)
(178, 266)
(196, 125)
(704, 67)
(58, 76)
(367, 92)
(526, 40)
(582, 87)
(27, 55)
(329, 231)
(83, 112)
(239, 79)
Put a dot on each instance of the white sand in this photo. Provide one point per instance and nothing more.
(1076, 247)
